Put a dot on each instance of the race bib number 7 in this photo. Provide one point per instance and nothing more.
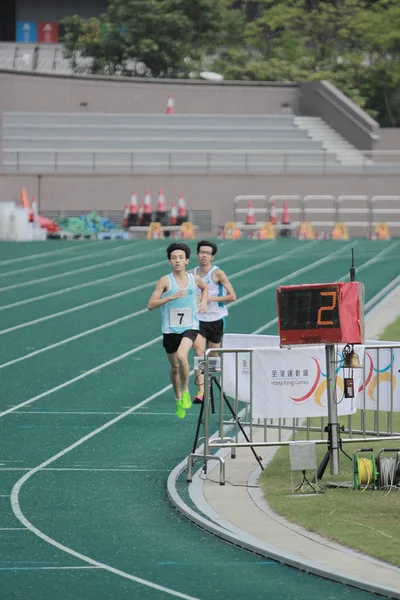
(181, 317)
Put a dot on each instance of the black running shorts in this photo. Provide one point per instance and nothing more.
(171, 341)
(212, 330)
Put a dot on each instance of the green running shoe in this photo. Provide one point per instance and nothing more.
(180, 411)
(186, 401)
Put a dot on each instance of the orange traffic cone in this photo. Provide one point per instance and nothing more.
(285, 231)
(170, 105)
(133, 211)
(250, 219)
(182, 212)
(285, 214)
(24, 199)
(147, 209)
(272, 213)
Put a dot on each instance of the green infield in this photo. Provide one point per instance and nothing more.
(363, 519)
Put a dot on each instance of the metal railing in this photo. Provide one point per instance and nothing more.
(199, 161)
(322, 210)
(286, 429)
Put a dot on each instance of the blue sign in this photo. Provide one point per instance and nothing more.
(26, 32)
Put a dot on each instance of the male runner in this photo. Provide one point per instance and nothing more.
(176, 295)
(220, 292)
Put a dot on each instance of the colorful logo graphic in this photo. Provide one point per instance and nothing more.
(307, 395)
(320, 387)
(382, 375)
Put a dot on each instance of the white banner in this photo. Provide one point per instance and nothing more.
(292, 383)
(382, 379)
(286, 382)
(242, 340)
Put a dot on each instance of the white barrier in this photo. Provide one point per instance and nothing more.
(285, 383)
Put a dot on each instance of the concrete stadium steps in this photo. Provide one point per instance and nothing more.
(58, 118)
(171, 144)
(331, 140)
(23, 132)
(147, 143)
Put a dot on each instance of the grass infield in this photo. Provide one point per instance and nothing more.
(365, 520)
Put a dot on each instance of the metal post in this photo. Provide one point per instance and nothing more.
(206, 400)
(332, 409)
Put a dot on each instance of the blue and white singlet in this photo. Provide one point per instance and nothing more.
(216, 310)
(180, 314)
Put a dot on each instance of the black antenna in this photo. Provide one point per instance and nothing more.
(352, 268)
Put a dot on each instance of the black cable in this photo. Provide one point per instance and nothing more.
(230, 483)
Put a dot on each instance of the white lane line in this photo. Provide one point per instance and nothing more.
(42, 568)
(70, 339)
(123, 470)
(81, 286)
(321, 261)
(56, 263)
(35, 256)
(21, 517)
(75, 271)
(67, 412)
(99, 300)
(97, 282)
(365, 265)
(115, 321)
(13, 529)
(151, 342)
(82, 376)
(83, 306)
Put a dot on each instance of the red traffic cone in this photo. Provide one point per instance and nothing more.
(126, 215)
(250, 219)
(161, 214)
(147, 209)
(161, 204)
(285, 214)
(272, 213)
(173, 219)
(133, 204)
(170, 105)
(132, 218)
(140, 214)
(182, 212)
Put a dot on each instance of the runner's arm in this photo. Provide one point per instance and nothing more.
(204, 293)
(221, 277)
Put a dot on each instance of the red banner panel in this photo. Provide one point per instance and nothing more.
(48, 32)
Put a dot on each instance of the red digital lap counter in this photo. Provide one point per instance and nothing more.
(321, 313)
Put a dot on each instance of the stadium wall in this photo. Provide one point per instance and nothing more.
(87, 94)
(202, 192)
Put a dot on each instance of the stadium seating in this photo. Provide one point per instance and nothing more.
(149, 143)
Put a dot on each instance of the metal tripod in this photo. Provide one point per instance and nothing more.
(333, 428)
(213, 380)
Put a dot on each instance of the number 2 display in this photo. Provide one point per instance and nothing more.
(321, 313)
